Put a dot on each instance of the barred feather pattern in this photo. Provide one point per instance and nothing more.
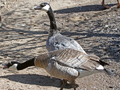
(64, 64)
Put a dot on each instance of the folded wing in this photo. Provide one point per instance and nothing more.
(75, 59)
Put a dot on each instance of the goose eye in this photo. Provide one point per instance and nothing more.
(42, 5)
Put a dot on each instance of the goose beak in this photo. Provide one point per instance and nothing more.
(4, 66)
(38, 8)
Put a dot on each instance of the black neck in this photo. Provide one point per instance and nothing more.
(26, 64)
(53, 25)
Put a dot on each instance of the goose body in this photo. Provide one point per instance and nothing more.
(56, 40)
(103, 3)
(66, 64)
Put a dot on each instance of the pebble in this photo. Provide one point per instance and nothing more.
(106, 26)
(115, 29)
(21, 32)
(1, 62)
(76, 24)
(17, 24)
(100, 47)
(118, 16)
(101, 31)
(85, 35)
(78, 18)
(18, 56)
(29, 87)
(90, 44)
(111, 87)
(23, 25)
(1, 57)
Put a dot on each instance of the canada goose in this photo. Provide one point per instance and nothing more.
(56, 40)
(66, 64)
(108, 6)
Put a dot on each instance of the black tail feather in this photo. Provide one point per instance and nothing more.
(103, 63)
(109, 72)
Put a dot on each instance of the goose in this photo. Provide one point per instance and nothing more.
(67, 64)
(56, 40)
(108, 6)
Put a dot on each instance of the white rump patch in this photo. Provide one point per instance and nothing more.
(100, 67)
(13, 67)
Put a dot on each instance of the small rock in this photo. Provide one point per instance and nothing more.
(106, 26)
(76, 24)
(85, 35)
(117, 45)
(18, 56)
(21, 32)
(111, 87)
(118, 16)
(29, 87)
(6, 37)
(17, 24)
(78, 18)
(90, 44)
(23, 25)
(1, 62)
(1, 57)
(115, 29)
(101, 31)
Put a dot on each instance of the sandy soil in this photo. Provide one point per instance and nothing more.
(24, 32)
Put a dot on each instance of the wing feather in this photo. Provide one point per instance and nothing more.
(75, 59)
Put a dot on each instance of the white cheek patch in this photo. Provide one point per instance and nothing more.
(100, 67)
(13, 67)
(46, 8)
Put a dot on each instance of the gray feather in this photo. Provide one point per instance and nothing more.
(58, 41)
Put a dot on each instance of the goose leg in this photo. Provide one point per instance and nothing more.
(118, 4)
(63, 85)
(73, 85)
(0, 21)
(103, 3)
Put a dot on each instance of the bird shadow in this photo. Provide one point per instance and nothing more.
(35, 79)
(82, 9)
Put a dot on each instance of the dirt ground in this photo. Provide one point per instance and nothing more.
(24, 32)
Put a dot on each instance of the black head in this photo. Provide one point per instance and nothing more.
(43, 6)
(10, 64)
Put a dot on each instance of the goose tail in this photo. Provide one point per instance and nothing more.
(108, 72)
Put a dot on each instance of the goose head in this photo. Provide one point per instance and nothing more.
(11, 65)
(43, 6)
